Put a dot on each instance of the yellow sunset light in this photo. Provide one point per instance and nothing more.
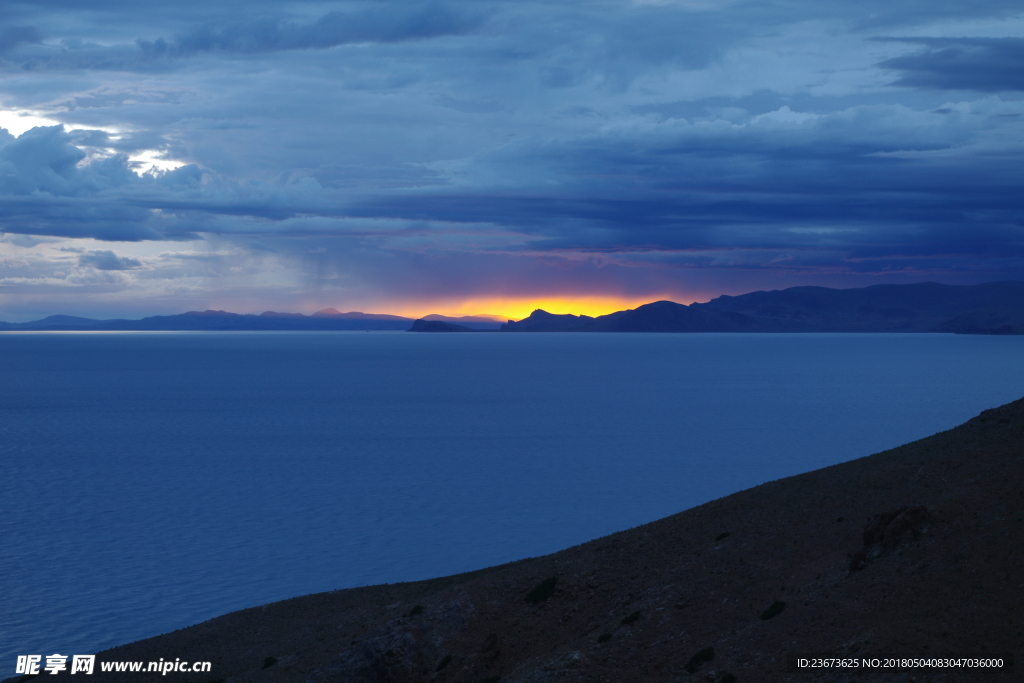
(514, 308)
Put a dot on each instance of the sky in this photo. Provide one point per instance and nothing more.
(474, 157)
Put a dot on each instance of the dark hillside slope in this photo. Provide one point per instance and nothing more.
(659, 316)
(914, 551)
(668, 316)
(921, 307)
(542, 321)
(993, 308)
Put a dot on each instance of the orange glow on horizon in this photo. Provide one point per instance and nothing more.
(518, 308)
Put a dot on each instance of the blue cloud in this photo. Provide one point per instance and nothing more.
(383, 24)
(374, 23)
(107, 260)
(462, 145)
(978, 64)
(13, 36)
(43, 160)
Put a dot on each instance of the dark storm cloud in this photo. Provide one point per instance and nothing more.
(443, 147)
(858, 186)
(978, 64)
(373, 24)
(868, 179)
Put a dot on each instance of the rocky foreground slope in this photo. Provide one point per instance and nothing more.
(914, 551)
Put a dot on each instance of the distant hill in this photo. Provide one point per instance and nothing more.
(474, 322)
(352, 315)
(224, 321)
(660, 316)
(199, 321)
(992, 308)
(483, 318)
(542, 321)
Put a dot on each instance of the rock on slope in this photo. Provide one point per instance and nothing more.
(914, 551)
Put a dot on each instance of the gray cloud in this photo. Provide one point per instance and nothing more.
(44, 160)
(107, 260)
(978, 64)
(374, 23)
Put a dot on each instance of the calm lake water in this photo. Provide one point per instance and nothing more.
(151, 481)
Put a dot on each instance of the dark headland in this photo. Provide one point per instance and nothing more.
(914, 551)
(992, 308)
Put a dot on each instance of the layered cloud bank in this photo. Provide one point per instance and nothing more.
(404, 154)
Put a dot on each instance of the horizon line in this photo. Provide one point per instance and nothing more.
(497, 318)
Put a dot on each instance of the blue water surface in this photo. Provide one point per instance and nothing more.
(149, 481)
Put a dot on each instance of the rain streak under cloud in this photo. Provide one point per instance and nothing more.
(481, 157)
